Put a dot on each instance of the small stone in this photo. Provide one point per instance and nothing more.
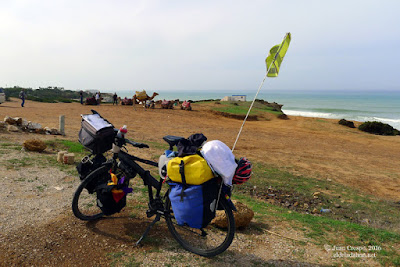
(40, 131)
(69, 158)
(9, 120)
(54, 132)
(34, 125)
(3, 125)
(60, 156)
(12, 128)
(337, 206)
(366, 221)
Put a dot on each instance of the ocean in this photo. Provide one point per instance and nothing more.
(350, 105)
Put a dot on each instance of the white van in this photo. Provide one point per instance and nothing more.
(2, 96)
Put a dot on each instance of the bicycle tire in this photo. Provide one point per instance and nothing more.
(217, 239)
(84, 205)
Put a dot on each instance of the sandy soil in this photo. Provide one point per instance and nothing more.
(319, 148)
(45, 233)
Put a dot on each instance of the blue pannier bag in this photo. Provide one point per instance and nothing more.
(194, 205)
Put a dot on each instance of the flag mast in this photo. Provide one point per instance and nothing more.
(259, 88)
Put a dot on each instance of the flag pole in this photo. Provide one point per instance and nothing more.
(255, 97)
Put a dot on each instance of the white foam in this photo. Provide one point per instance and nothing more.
(389, 120)
(311, 114)
(393, 122)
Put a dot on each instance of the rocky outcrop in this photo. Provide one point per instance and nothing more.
(274, 105)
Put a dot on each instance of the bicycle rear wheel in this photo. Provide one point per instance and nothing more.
(84, 205)
(209, 242)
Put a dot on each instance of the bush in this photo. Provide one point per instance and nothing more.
(376, 127)
(347, 123)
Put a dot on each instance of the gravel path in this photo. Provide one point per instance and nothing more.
(31, 195)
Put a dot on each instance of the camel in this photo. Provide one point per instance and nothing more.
(143, 97)
(186, 105)
(169, 104)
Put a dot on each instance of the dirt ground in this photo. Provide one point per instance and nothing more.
(320, 148)
(314, 147)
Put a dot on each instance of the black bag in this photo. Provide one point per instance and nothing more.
(191, 145)
(96, 134)
(106, 200)
(86, 166)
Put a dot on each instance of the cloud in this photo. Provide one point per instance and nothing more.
(193, 45)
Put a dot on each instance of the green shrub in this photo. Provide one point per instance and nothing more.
(376, 127)
(347, 123)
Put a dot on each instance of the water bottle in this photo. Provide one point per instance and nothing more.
(122, 131)
(325, 210)
(120, 135)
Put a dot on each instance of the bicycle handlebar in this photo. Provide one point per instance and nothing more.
(121, 140)
(136, 144)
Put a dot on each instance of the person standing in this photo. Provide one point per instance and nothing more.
(81, 95)
(22, 95)
(115, 99)
(97, 97)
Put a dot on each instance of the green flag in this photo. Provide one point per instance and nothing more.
(276, 55)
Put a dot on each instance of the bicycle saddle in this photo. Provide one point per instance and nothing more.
(172, 140)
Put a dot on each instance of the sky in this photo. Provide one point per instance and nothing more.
(199, 45)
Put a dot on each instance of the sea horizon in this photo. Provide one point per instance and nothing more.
(378, 105)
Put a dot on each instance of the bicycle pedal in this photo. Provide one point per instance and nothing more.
(150, 213)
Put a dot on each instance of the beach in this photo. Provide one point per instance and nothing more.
(314, 147)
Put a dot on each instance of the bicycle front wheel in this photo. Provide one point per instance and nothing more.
(84, 204)
(207, 242)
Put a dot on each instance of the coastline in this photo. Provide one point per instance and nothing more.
(340, 104)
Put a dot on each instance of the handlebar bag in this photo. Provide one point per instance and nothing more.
(96, 133)
(194, 205)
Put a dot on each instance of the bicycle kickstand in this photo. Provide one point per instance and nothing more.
(156, 219)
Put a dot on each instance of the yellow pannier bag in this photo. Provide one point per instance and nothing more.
(196, 170)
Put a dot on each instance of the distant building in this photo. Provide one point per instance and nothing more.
(234, 98)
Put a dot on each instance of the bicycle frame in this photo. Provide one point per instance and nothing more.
(156, 205)
(147, 178)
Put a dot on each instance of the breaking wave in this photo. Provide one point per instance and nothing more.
(393, 122)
